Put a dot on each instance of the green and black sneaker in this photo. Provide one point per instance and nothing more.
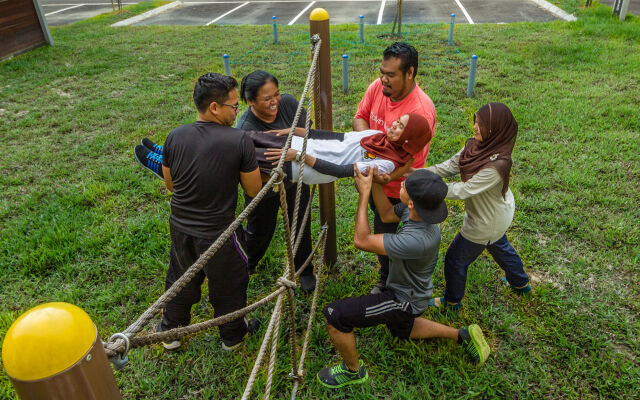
(474, 343)
(339, 375)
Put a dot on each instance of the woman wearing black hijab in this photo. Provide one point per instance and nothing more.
(484, 165)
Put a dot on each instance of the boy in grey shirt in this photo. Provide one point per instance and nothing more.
(413, 253)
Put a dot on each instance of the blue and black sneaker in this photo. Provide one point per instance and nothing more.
(149, 160)
(151, 145)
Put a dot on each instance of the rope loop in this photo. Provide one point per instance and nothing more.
(284, 282)
(120, 360)
(280, 175)
(296, 377)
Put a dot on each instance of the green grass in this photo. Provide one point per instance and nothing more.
(81, 222)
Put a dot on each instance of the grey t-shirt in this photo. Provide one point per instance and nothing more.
(413, 253)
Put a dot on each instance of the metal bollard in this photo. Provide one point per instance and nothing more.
(227, 65)
(275, 30)
(472, 75)
(453, 17)
(624, 7)
(345, 73)
(362, 29)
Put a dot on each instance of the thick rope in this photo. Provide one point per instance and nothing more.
(312, 312)
(263, 347)
(272, 358)
(307, 212)
(277, 312)
(277, 174)
(291, 270)
(178, 285)
(303, 156)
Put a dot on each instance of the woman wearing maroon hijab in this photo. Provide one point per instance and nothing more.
(484, 165)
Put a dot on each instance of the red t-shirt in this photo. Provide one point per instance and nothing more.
(381, 112)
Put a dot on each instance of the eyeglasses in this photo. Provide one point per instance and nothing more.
(234, 106)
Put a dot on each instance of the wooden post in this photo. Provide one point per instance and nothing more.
(319, 24)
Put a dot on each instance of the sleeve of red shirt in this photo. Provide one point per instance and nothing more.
(364, 108)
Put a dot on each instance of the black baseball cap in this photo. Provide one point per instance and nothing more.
(427, 190)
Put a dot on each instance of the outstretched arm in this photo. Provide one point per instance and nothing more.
(322, 166)
(363, 239)
(383, 205)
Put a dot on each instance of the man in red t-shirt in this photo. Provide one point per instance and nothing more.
(393, 95)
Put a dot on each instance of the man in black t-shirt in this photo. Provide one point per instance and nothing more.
(202, 163)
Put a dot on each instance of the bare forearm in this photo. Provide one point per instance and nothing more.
(383, 205)
(309, 160)
(360, 124)
(362, 230)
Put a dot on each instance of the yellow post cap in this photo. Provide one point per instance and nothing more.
(46, 340)
(319, 14)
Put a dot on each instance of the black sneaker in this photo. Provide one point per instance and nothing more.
(151, 145)
(308, 283)
(253, 326)
(170, 345)
(339, 375)
(149, 160)
(474, 343)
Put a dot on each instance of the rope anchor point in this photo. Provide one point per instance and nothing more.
(119, 360)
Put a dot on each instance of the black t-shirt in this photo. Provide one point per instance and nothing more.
(286, 112)
(205, 159)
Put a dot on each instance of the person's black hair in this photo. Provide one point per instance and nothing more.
(404, 52)
(252, 82)
(212, 87)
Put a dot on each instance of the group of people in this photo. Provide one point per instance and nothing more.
(203, 163)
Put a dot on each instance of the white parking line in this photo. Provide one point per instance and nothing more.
(466, 14)
(380, 12)
(64, 9)
(301, 12)
(227, 13)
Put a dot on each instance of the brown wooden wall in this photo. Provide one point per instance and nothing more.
(20, 28)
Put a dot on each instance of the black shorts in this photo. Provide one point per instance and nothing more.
(371, 310)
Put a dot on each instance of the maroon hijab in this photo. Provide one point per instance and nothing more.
(498, 129)
(417, 133)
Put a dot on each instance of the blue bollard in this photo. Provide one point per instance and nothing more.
(472, 75)
(227, 65)
(275, 30)
(345, 73)
(453, 17)
(362, 29)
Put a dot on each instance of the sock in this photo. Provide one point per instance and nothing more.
(459, 337)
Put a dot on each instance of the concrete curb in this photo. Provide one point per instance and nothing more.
(555, 10)
(148, 14)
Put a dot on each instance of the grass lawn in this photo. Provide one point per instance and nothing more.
(81, 222)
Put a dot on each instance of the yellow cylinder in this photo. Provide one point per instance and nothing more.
(53, 351)
(319, 14)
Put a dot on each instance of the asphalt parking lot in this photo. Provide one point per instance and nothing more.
(236, 12)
